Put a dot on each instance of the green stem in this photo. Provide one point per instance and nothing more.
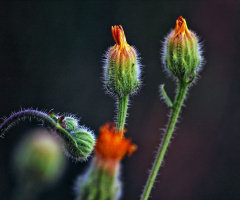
(122, 112)
(179, 99)
(14, 118)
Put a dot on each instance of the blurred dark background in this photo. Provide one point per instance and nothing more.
(51, 57)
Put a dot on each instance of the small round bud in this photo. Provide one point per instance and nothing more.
(122, 68)
(71, 123)
(85, 142)
(182, 55)
(39, 159)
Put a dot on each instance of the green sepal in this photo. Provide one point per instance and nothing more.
(182, 57)
(122, 77)
(165, 96)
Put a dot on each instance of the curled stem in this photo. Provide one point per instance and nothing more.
(41, 116)
(122, 113)
(177, 105)
(13, 119)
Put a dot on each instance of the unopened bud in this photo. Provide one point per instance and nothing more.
(85, 141)
(122, 68)
(71, 123)
(182, 54)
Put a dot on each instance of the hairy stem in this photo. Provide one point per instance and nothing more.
(122, 113)
(16, 117)
(179, 99)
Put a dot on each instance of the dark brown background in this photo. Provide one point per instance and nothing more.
(51, 57)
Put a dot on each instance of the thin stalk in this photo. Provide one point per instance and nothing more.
(177, 105)
(21, 115)
(122, 112)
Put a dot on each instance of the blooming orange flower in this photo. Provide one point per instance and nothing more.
(111, 145)
(181, 28)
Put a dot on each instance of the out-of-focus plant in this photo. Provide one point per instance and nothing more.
(38, 163)
(182, 58)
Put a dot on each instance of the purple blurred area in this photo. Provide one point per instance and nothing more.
(51, 57)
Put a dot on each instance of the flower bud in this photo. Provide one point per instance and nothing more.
(102, 178)
(39, 159)
(68, 122)
(71, 123)
(85, 141)
(122, 68)
(182, 54)
(81, 140)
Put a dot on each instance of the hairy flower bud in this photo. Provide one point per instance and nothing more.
(122, 68)
(182, 54)
(71, 123)
(85, 141)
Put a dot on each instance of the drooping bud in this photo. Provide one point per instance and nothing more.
(39, 159)
(122, 67)
(182, 54)
(85, 141)
(102, 178)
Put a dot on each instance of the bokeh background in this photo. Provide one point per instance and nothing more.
(51, 57)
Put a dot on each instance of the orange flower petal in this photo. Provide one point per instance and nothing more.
(118, 35)
(111, 145)
(181, 27)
